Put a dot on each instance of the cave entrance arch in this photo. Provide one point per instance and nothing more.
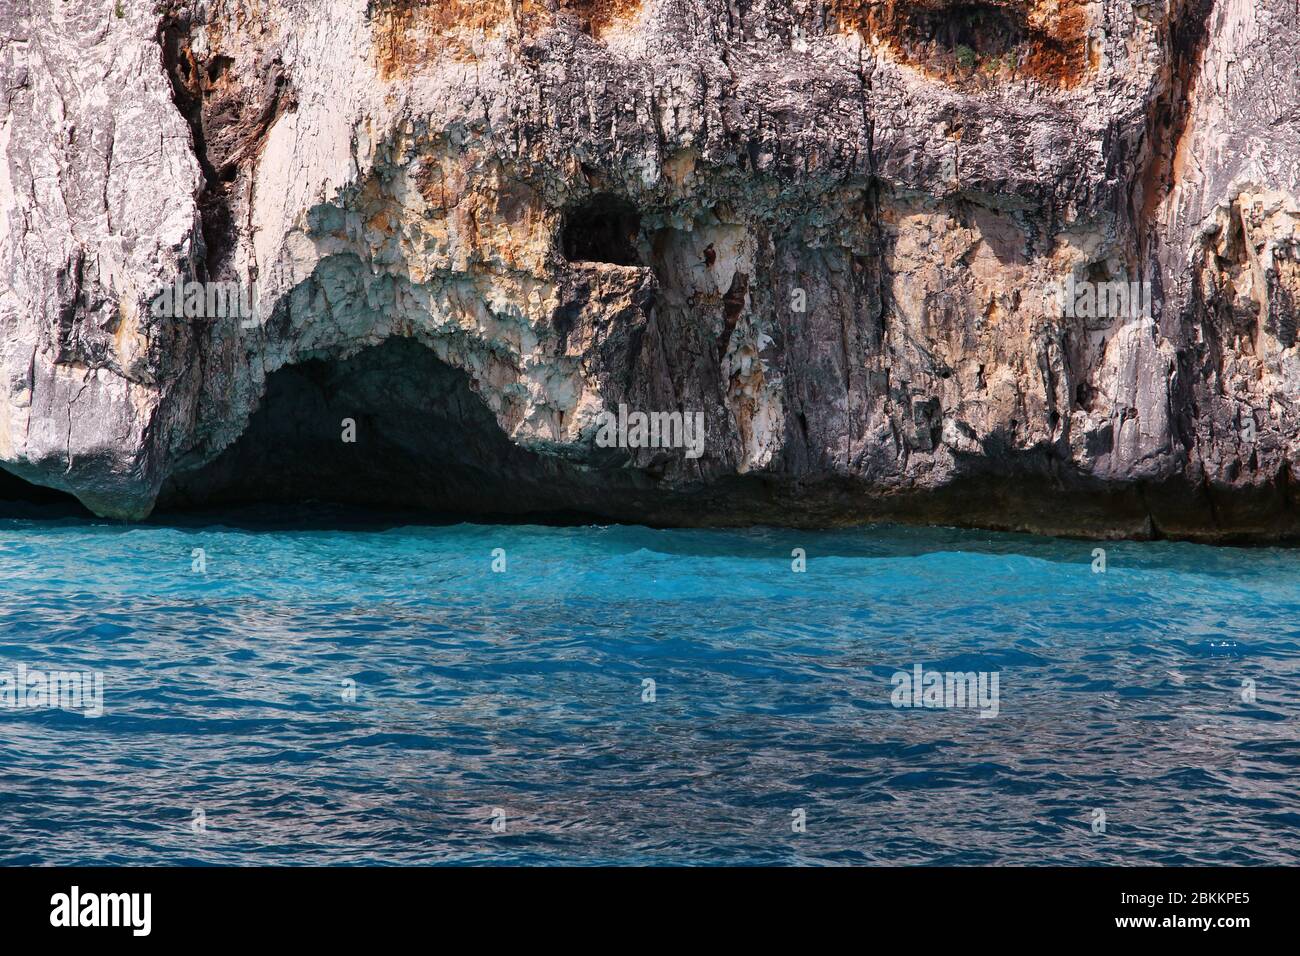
(22, 498)
(424, 440)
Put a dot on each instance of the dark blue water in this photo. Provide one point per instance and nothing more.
(522, 691)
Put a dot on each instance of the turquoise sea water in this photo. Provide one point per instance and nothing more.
(226, 697)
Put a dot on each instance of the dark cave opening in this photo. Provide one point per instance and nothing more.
(605, 229)
(392, 427)
(21, 497)
(984, 31)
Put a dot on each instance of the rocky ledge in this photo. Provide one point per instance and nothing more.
(1022, 264)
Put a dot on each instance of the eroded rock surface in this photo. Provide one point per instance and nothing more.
(832, 226)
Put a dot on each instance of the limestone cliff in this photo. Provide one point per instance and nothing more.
(837, 228)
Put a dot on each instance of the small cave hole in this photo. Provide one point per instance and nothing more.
(968, 30)
(217, 66)
(988, 42)
(605, 228)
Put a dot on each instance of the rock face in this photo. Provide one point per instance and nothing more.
(1025, 264)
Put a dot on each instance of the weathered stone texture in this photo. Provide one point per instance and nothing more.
(830, 225)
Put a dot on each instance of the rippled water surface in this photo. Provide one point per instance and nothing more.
(226, 693)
